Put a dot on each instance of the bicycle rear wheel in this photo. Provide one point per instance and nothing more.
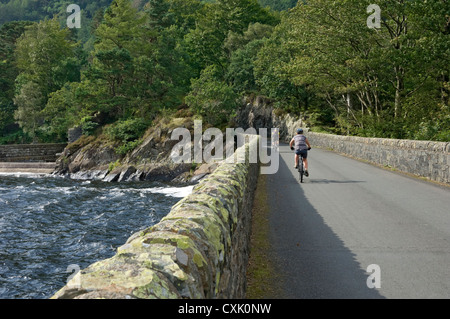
(301, 171)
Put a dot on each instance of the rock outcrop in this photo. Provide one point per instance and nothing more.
(260, 113)
(96, 158)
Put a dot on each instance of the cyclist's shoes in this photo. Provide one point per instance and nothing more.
(296, 166)
(306, 173)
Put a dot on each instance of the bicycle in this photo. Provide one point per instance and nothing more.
(301, 168)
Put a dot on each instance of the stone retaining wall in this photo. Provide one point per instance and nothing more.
(27, 167)
(422, 158)
(30, 152)
(199, 250)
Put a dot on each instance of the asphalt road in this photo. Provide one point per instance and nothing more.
(348, 215)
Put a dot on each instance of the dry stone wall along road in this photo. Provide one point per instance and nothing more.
(351, 223)
(427, 159)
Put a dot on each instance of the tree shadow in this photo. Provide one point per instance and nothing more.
(313, 261)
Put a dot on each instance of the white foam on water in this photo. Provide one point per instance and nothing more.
(178, 192)
(24, 174)
(172, 191)
(62, 189)
(43, 206)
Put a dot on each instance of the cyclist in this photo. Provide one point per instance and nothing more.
(301, 145)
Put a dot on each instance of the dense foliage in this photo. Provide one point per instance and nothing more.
(390, 82)
(133, 60)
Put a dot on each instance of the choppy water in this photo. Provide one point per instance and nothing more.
(48, 224)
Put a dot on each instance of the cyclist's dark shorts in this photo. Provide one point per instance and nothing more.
(302, 153)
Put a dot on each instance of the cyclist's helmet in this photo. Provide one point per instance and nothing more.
(299, 131)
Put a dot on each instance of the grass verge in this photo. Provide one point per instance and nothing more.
(261, 273)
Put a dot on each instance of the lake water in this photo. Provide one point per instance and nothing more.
(49, 223)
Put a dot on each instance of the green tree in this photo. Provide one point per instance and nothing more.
(9, 33)
(114, 67)
(45, 59)
(206, 41)
(244, 50)
(185, 13)
(278, 5)
(159, 15)
(213, 99)
(70, 106)
(28, 114)
(375, 80)
(60, 112)
(137, 57)
(122, 28)
(271, 77)
(120, 42)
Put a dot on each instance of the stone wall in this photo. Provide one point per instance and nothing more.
(30, 152)
(422, 158)
(199, 250)
(27, 167)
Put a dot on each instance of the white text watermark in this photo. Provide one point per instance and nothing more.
(220, 149)
(74, 20)
(374, 279)
(374, 20)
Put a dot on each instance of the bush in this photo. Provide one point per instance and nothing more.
(113, 165)
(127, 147)
(128, 133)
(18, 137)
(88, 126)
(126, 130)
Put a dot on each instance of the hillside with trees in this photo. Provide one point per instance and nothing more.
(132, 61)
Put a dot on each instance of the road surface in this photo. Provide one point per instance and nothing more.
(349, 215)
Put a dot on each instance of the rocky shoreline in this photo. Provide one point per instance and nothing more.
(128, 173)
(95, 158)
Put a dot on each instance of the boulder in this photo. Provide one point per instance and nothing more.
(126, 173)
(166, 172)
(197, 178)
(89, 175)
(136, 176)
(113, 176)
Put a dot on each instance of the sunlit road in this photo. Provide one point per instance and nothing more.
(349, 215)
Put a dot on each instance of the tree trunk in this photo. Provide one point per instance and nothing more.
(399, 86)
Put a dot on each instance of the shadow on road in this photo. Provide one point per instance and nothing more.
(332, 181)
(310, 256)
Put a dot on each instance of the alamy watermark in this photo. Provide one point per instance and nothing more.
(74, 20)
(230, 150)
(374, 279)
(74, 280)
(374, 20)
